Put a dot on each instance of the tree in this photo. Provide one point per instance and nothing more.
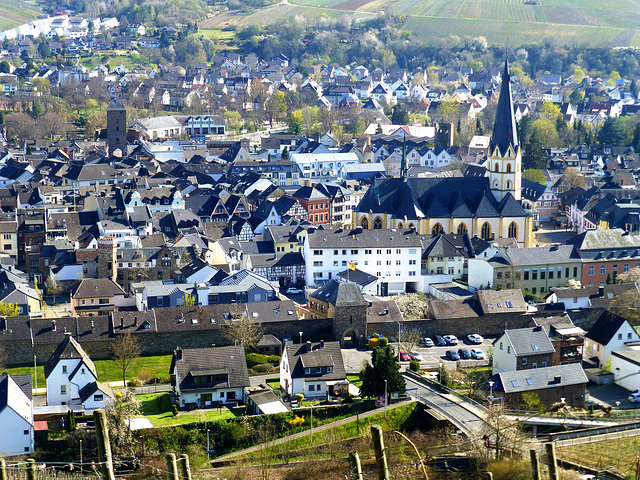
(241, 328)
(9, 309)
(52, 124)
(384, 366)
(5, 67)
(412, 305)
(295, 122)
(612, 132)
(535, 175)
(43, 50)
(119, 412)
(531, 401)
(576, 97)
(505, 432)
(399, 116)
(410, 338)
(275, 107)
(125, 350)
(533, 156)
(632, 276)
(71, 421)
(572, 177)
(53, 286)
(627, 305)
(285, 153)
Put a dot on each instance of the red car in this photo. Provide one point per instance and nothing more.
(404, 356)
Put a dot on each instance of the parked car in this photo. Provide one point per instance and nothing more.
(451, 339)
(416, 356)
(427, 342)
(464, 353)
(404, 356)
(294, 290)
(452, 355)
(477, 354)
(634, 397)
(475, 339)
(441, 341)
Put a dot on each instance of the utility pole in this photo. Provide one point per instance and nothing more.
(381, 456)
(535, 466)
(104, 447)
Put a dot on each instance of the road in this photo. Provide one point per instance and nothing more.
(466, 417)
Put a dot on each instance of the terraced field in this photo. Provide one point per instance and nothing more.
(587, 22)
(16, 12)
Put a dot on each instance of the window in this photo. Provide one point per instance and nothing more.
(25, 432)
(513, 230)
(534, 274)
(524, 361)
(462, 229)
(412, 273)
(98, 398)
(103, 301)
(437, 229)
(508, 349)
(626, 268)
(317, 252)
(544, 364)
(377, 224)
(619, 336)
(603, 269)
(486, 231)
(317, 264)
(534, 365)
(388, 251)
(551, 274)
(543, 273)
(63, 389)
(500, 345)
(354, 252)
(412, 262)
(526, 274)
(398, 262)
(591, 270)
(64, 369)
(312, 388)
(629, 336)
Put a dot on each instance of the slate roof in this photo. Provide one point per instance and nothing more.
(529, 341)
(339, 294)
(501, 301)
(93, 387)
(97, 287)
(606, 327)
(446, 245)
(69, 348)
(229, 360)
(25, 382)
(540, 378)
(299, 359)
(542, 255)
(437, 197)
(360, 238)
(10, 396)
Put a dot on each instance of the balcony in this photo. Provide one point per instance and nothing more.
(571, 342)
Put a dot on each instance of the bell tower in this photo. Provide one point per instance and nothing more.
(505, 157)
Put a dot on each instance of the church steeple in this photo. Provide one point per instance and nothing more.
(505, 132)
(404, 169)
(504, 159)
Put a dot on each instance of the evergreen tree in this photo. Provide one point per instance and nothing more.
(612, 132)
(285, 153)
(533, 156)
(479, 127)
(71, 421)
(399, 116)
(384, 366)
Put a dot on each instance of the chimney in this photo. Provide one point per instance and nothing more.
(178, 354)
(601, 291)
(308, 345)
(53, 325)
(557, 379)
(135, 321)
(321, 343)
(121, 322)
(93, 326)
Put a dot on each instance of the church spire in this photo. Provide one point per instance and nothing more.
(504, 129)
(403, 164)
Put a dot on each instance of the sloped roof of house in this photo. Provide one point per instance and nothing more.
(67, 349)
(328, 356)
(540, 378)
(339, 294)
(12, 396)
(198, 361)
(97, 287)
(606, 327)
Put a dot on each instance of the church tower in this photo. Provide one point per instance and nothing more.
(505, 157)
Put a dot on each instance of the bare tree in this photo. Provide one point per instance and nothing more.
(632, 276)
(125, 350)
(627, 305)
(410, 338)
(503, 432)
(21, 125)
(52, 124)
(119, 413)
(239, 327)
(412, 305)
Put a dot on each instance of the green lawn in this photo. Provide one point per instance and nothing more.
(355, 379)
(273, 383)
(108, 370)
(157, 408)
(215, 34)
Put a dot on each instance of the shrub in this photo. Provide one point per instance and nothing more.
(297, 421)
(383, 342)
(414, 365)
(174, 410)
(145, 375)
(275, 359)
(299, 397)
(254, 359)
(263, 368)
(134, 383)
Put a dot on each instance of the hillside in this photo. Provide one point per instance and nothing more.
(17, 12)
(515, 22)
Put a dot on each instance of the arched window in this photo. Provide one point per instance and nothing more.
(513, 230)
(508, 184)
(400, 225)
(412, 226)
(437, 229)
(496, 184)
(486, 231)
(377, 224)
(508, 168)
(364, 223)
(497, 169)
(462, 229)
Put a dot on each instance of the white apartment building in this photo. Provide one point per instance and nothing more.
(323, 165)
(391, 255)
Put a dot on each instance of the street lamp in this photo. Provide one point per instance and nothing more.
(300, 333)
(617, 406)
(208, 450)
(311, 420)
(491, 382)
(35, 371)
(398, 340)
(385, 399)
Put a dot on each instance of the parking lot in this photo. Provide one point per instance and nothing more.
(434, 356)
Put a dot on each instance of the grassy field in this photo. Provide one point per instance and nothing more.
(108, 370)
(621, 454)
(157, 408)
(500, 21)
(14, 13)
(355, 379)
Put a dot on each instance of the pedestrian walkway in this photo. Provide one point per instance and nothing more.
(326, 426)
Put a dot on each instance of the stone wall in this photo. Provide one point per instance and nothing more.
(350, 319)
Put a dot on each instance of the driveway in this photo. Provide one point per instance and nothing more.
(609, 395)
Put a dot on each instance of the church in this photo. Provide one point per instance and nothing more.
(488, 207)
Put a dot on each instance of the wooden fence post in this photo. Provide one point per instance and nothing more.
(186, 469)
(551, 458)
(381, 456)
(104, 447)
(31, 469)
(172, 466)
(535, 465)
(355, 469)
(3, 469)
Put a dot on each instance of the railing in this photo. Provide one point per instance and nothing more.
(436, 384)
(614, 431)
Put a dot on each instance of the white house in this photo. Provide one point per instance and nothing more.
(625, 366)
(72, 379)
(312, 370)
(392, 256)
(522, 349)
(16, 418)
(204, 377)
(326, 164)
(610, 332)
